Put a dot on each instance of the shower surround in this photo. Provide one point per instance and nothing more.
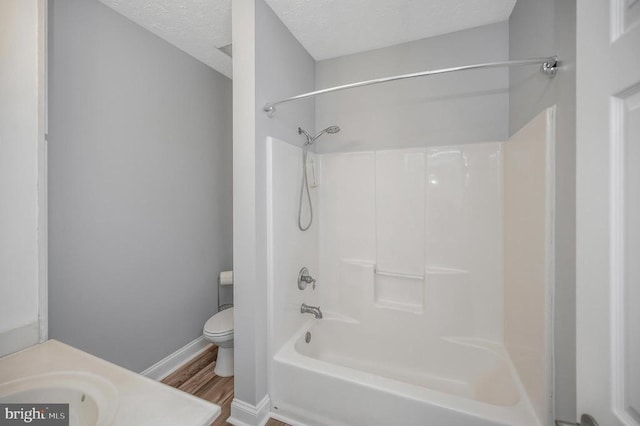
(422, 313)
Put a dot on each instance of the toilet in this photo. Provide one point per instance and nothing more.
(219, 330)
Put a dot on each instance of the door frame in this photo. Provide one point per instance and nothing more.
(43, 129)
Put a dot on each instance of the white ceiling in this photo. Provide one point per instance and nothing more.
(198, 27)
(326, 28)
(332, 28)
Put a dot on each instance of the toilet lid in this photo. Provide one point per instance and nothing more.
(220, 323)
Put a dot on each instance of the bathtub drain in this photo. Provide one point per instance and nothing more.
(307, 337)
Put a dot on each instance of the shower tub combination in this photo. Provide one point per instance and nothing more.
(434, 298)
(350, 375)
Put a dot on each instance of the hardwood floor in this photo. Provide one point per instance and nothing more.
(197, 378)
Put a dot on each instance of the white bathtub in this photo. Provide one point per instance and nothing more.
(350, 375)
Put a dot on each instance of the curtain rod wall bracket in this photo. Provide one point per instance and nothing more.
(270, 110)
(548, 66)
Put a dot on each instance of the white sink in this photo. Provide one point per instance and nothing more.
(92, 400)
(98, 392)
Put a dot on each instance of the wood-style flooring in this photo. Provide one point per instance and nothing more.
(197, 378)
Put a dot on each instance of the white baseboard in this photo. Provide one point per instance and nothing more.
(171, 363)
(19, 338)
(285, 419)
(243, 414)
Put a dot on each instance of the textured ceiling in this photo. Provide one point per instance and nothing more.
(326, 28)
(198, 27)
(331, 28)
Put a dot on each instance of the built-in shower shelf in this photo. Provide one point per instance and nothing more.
(441, 270)
(400, 291)
(407, 307)
(398, 275)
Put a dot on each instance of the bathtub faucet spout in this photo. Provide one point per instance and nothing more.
(315, 310)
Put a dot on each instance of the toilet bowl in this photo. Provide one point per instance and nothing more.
(219, 330)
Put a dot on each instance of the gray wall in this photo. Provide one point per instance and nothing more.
(140, 187)
(541, 28)
(273, 63)
(470, 106)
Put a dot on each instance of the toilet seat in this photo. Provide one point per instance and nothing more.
(220, 324)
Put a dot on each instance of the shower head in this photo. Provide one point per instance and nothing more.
(311, 139)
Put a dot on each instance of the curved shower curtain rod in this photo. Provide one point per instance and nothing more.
(548, 67)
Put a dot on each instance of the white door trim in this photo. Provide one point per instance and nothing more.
(43, 217)
(244, 414)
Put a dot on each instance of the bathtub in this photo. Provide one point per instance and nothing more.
(350, 375)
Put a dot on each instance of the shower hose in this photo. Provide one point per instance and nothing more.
(304, 187)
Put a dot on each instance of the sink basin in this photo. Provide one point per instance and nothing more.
(92, 400)
(98, 392)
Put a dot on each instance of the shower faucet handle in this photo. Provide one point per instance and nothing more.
(304, 278)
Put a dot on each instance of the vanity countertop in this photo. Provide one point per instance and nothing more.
(140, 400)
